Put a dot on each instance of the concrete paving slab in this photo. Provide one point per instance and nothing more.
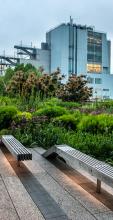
(48, 207)
(35, 190)
(7, 209)
(24, 205)
(105, 216)
(5, 201)
(79, 194)
(5, 168)
(38, 190)
(72, 205)
(8, 214)
(35, 167)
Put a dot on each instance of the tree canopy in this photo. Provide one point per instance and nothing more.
(25, 80)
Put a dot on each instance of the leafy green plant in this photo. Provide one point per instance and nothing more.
(51, 111)
(53, 102)
(96, 123)
(68, 121)
(88, 124)
(22, 115)
(105, 123)
(5, 132)
(105, 104)
(24, 136)
(7, 114)
(70, 105)
(48, 135)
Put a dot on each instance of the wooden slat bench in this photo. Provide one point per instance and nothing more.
(77, 160)
(16, 148)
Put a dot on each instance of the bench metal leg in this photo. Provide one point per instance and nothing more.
(98, 186)
(18, 163)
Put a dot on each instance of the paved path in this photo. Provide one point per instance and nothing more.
(39, 190)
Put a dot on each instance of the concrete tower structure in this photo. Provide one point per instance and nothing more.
(78, 49)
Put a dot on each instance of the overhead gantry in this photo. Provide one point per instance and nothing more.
(25, 50)
(7, 60)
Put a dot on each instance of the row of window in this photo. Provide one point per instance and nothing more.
(94, 37)
(94, 68)
(94, 80)
(94, 40)
(94, 51)
(94, 48)
(95, 58)
(97, 81)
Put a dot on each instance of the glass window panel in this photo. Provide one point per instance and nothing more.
(94, 68)
(94, 49)
(90, 80)
(98, 80)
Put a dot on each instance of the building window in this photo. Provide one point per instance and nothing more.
(106, 90)
(94, 52)
(105, 70)
(106, 97)
(94, 68)
(90, 80)
(98, 81)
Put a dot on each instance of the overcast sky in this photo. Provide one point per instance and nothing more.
(28, 20)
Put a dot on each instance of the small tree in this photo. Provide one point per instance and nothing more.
(15, 86)
(48, 84)
(75, 89)
(23, 81)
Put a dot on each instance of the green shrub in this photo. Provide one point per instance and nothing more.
(53, 102)
(42, 135)
(105, 104)
(68, 121)
(88, 124)
(99, 146)
(7, 114)
(70, 105)
(4, 100)
(58, 102)
(89, 106)
(4, 132)
(51, 111)
(105, 123)
(24, 136)
(96, 123)
(23, 115)
(8, 101)
(48, 135)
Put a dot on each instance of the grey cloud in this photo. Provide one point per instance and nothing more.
(28, 20)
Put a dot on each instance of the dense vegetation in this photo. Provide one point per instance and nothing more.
(39, 110)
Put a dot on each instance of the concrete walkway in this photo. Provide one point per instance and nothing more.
(42, 189)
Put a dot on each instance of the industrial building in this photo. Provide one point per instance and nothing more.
(75, 49)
